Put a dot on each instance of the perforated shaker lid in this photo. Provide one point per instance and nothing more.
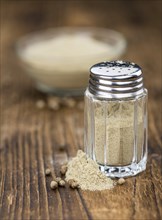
(116, 79)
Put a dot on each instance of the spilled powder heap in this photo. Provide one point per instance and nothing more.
(86, 173)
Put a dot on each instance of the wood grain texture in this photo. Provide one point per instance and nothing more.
(30, 138)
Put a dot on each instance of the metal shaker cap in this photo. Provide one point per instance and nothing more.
(116, 79)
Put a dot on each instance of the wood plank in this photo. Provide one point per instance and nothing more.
(31, 138)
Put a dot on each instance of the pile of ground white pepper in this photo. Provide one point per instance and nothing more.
(84, 173)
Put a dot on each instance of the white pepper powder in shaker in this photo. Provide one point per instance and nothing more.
(116, 118)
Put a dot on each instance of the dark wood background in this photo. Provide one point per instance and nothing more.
(30, 138)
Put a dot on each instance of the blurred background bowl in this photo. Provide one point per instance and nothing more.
(68, 75)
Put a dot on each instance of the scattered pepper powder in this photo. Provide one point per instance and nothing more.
(63, 169)
(40, 104)
(54, 185)
(121, 181)
(69, 102)
(61, 183)
(73, 184)
(58, 179)
(53, 103)
(47, 172)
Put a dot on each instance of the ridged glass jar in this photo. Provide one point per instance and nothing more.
(116, 118)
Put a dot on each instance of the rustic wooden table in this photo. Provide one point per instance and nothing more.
(30, 138)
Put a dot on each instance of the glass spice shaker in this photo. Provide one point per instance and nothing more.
(116, 118)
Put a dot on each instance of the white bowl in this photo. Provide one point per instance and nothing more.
(67, 74)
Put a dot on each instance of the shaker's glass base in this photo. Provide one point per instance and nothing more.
(124, 171)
